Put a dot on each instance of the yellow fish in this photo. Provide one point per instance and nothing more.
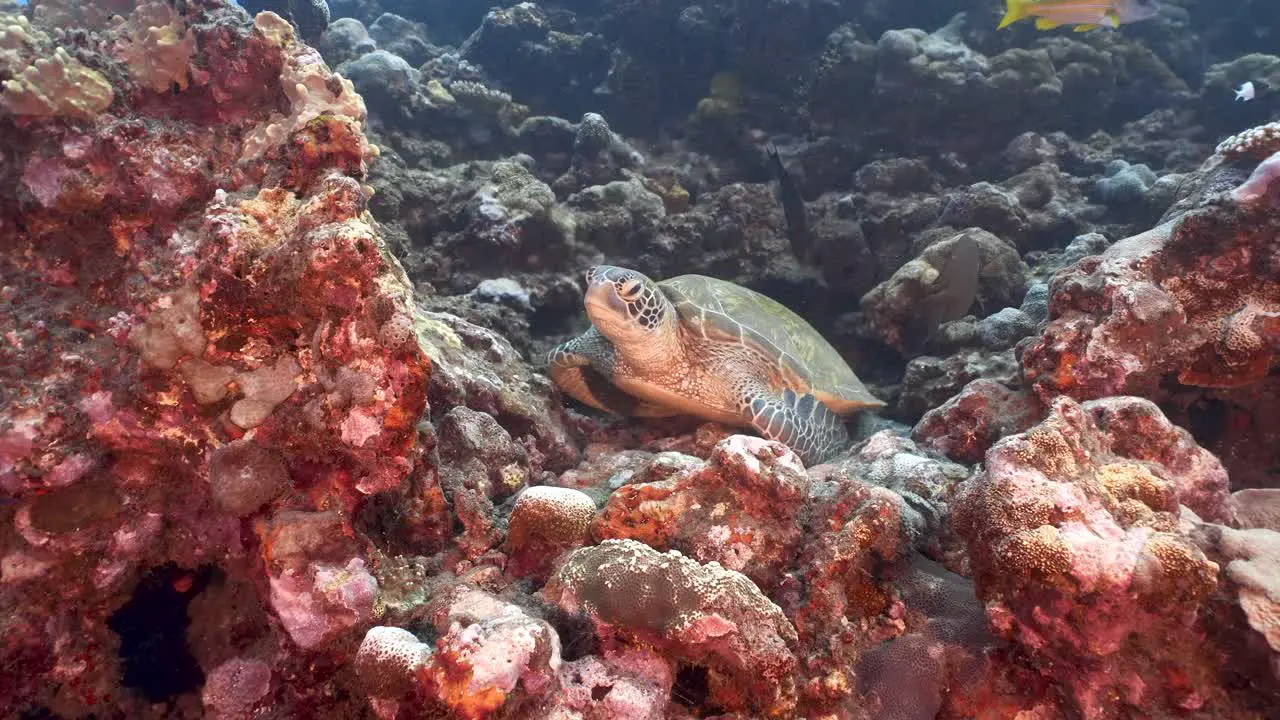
(1083, 14)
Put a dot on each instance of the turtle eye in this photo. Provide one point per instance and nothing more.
(629, 289)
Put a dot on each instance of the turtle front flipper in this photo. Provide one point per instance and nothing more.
(801, 422)
(582, 367)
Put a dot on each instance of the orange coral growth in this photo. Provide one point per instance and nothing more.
(1243, 354)
(450, 677)
(326, 141)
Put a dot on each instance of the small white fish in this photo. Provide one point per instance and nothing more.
(1245, 92)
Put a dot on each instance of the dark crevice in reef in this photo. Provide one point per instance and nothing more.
(692, 691)
(152, 627)
(577, 637)
(42, 713)
(1207, 420)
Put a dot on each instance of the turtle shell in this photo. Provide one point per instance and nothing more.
(802, 359)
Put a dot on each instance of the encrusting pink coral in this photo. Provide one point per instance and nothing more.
(965, 426)
(489, 651)
(739, 509)
(1262, 184)
(702, 614)
(1075, 535)
(1177, 299)
(177, 316)
(234, 687)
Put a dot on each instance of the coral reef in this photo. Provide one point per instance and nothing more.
(277, 276)
(241, 375)
(889, 306)
(54, 85)
(522, 44)
(1182, 313)
(1197, 290)
(544, 522)
(927, 79)
(740, 509)
(1075, 537)
(702, 614)
(488, 651)
(966, 425)
(309, 17)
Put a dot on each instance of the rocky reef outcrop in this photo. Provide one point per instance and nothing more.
(275, 438)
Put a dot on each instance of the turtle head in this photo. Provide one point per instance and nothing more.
(626, 307)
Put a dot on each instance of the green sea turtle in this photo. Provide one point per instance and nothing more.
(695, 345)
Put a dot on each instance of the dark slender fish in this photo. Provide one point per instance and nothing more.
(792, 207)
(957, 285)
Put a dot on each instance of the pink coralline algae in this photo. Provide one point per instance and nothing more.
(210, 349)
(740, 508)
(488, 652)
(701, 614)
(1262, 185)
(631, 684)
(937, 667)
(235, 686)
(838, 604)
(867, 516)
(1080, 549)
(1197, 297)
(243, 477)
(1186, 314)
(965, 426)
(247, 470)
(323, 600)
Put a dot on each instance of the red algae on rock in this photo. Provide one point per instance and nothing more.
(1084, 557)
(252, 467)
(740, 509)
(702, 614)
(965, 426)
(191, 292)
(1190, 297)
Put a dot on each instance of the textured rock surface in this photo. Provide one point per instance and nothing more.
(890, 305)
(249, 467)
(741, 509)
(966, 425)
(701, 614)
(240, 377)
(1078, 546)
(1192, 297)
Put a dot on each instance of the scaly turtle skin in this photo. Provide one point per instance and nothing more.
(694, 345)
